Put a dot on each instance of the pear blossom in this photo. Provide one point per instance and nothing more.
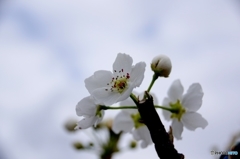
(185, 107)
(89, 109)
(127, 120)
(111, 87)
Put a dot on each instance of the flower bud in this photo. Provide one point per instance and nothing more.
(132, 144)
(70, 125)
(161, 65)
(78, 145)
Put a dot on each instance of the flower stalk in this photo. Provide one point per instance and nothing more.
(103, 107)
(154, 78)
(134, 98)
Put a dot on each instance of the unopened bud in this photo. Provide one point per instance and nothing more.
(161, 65)
(70, 125)
(78, 145)
(133, 144)
(90, 144)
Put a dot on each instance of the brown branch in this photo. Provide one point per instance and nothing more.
(163, 145)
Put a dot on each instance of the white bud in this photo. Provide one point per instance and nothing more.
(161, 65)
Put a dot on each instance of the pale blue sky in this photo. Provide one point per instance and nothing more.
(48, 48)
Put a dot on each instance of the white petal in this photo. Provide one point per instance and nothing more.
(122, 122)
(144, 144)
(105, 97)
(175, 91)
(193, 120)
(177, 129)
(137, 74)
(86, 122)
(140, 96)
(98, 80)
(123, 61)
(86, 107)
(155, 99)
(99, 119)
(192, 100)
(136, 135)
(126, 94)
(142, 133)
(127, 102)
(166, 102)
(166, 114)
(130, 111)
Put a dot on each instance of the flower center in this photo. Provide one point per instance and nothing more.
(136, 118)
(120, 82)
(180, 110)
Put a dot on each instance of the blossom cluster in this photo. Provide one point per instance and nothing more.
(109, 87)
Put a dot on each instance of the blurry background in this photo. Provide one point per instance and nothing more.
(48, 48)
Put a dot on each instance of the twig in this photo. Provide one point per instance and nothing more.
(163, 145)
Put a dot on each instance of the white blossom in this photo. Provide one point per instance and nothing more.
(111, 87)
(89, 109)
(186, 106)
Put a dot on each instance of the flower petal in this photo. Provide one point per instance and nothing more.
(177, 129)
(122, 122)
(127, 102)
(166, 102)
(166, 114)
(122, 62)
(130, 111)
(126, 94)
(141, 96)
(142, 133)
(193, 120)
(98, 80)
(136, 135)
(137, 74)
(99, 119)
(86, 122)
(192, 100)
(105, 97)
(155, 99)
(86, 107)
(175, 91)
(144, 144)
